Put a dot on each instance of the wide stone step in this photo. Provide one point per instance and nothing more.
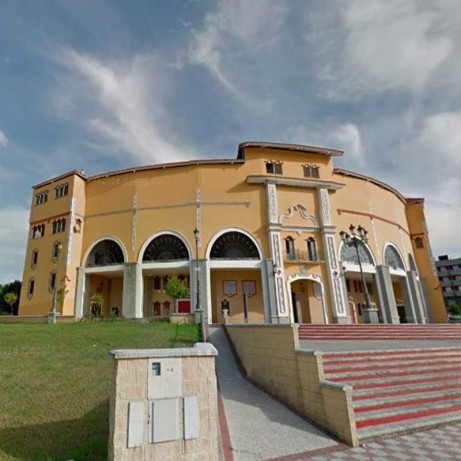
(379, 337)
(378, 372)
(370, 433)
(395, 359)
(357, 376)
(390, 354)
(387, 382)
(406, 400)
(392, 415)
(340, 367)
(405, 390)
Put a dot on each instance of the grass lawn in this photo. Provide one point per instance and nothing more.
(55, 384)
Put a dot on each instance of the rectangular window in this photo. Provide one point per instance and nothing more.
(290, 247)
(52, 280)
(34, 258)
(311, 171)
(30, 289)
(273, 168)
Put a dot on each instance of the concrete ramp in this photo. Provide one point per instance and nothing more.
(259, 426)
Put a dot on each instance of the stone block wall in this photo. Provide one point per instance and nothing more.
(130, 384)
(272, 359)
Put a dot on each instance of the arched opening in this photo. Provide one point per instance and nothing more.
(104, 267)
(307, 299)
(235, 266)
(166, 247)
(234, 246)
(356, 290)
(166, 258)
(394, 261)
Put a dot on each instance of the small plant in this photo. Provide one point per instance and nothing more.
(454, 309)
(96, 302)
(10, 299)
(176, 288)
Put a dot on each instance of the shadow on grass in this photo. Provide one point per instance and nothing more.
(82, 439)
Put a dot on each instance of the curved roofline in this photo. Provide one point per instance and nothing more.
(163, 166)
(292, 147)
(374, 181)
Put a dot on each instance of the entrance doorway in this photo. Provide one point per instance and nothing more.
(307, 301)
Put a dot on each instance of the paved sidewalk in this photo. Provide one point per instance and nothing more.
(442, 444)
(259, 426)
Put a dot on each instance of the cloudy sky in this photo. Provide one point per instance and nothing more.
(101, 85)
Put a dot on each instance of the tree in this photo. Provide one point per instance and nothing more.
(11, 298)
(176, 288)
(13, 287)
(61, 294)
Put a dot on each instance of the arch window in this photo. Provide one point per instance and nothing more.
(62, 190)
(52, 281)
(38, 231)
(59, 225)
(411, 263)
(166, 247)
(349, 254)
(312, 249)
(311, 171)
(42, 197)
(419, 243)
(105, 253)
(274, 167)
(393, 259)
(30, 288)
(234, 245)
(34, 258)
(290, 248)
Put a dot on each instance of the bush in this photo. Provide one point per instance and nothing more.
(176, 288)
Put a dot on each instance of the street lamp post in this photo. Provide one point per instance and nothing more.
(55, 287)
(355, 236)
(197, 278)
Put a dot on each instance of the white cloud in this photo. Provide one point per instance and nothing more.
(436, 149)
(348, 136)
(375, 45)
(236, 29)
(13, 235)
(3, 139)
(123, 104)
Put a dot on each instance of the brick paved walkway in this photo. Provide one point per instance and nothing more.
(441, 444)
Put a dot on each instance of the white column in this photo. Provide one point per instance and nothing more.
(132, 291)
(337, 293)
(276, 255)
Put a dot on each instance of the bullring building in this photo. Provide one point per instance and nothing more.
(260, 233)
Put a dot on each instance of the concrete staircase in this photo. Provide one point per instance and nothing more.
(396, 391)
(308, 332)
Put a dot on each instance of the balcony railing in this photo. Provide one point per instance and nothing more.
(300, 256)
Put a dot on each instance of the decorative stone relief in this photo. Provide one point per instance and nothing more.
(331, 252)
(325, 205)
(69, 231)
(272, 201)
(338, 295)
(302, 211)
(198, 217)
(281, 295)
(276, 250)
(133, 223)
